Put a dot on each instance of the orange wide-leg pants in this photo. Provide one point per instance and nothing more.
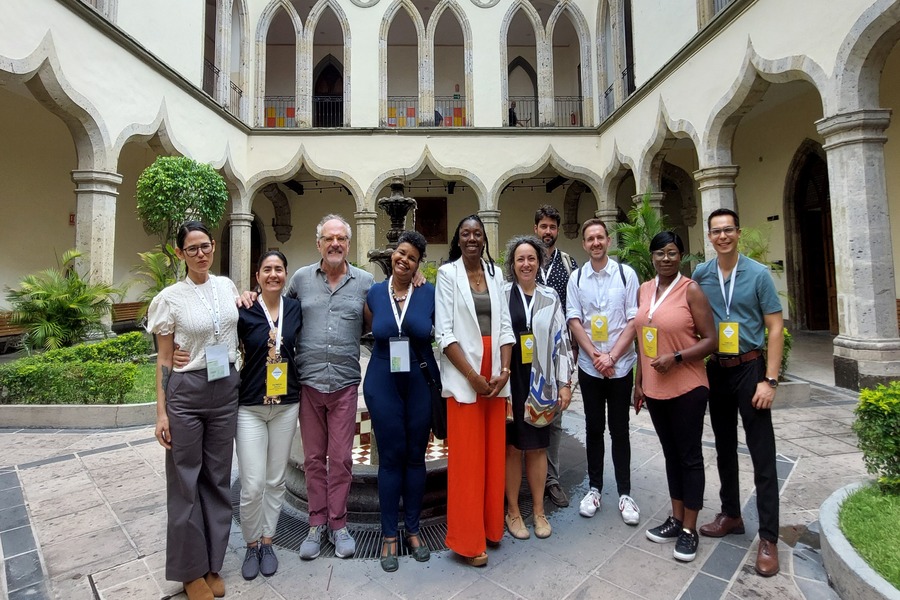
(476, 469)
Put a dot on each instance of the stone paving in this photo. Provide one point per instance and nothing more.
(82, 516)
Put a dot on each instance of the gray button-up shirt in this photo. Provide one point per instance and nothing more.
(327, 355)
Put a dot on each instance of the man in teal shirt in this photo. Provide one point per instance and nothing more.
(743, 377)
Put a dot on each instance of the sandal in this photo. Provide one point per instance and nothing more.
(389, 560)
(477, 561)
(420, 551)
(517, 527)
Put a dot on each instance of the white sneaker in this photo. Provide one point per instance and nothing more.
(631, 514)
(590, 503)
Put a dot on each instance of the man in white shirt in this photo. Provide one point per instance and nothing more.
(600, 307)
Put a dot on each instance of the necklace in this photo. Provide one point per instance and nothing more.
(477, 277)
(396, 297)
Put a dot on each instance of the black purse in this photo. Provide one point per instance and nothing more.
(438, 402)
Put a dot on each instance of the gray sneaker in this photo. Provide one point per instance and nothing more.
(344, 544)
(310, 547)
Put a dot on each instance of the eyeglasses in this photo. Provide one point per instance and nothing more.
(340, 239)
(192, 251)
(729, 231)
(661, 254)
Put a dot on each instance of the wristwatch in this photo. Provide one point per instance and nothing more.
(773, 383)
(678, 357)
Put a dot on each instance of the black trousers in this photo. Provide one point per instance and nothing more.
(730, 391)
(679, 424)
(600, 394)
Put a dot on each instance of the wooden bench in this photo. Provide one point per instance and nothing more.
(10, 334)
(126, 316)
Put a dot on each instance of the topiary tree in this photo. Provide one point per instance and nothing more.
(173, 189)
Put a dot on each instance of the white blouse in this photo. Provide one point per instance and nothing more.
(178, 309)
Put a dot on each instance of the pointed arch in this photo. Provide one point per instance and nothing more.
(539, 39)
(618, 169)
(312, 21)
(385, 30)
(262, 31)
(582, 30)
(468, 54)
(550, 158)
(666, 133)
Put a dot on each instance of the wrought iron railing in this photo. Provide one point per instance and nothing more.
(526, 110)
(450, 111)
(628, 80)
(719, 5)
(234, 99)
(567, 111)
(280, 111)
(328, 111)
(403, 111)
(609, 101)
(210, 78)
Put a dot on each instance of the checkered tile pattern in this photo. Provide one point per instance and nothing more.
(437, 449)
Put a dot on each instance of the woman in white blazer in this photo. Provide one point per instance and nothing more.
(473, 332)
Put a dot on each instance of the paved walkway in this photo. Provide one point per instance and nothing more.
(82, 516)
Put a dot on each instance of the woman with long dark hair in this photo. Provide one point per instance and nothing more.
(473, 332)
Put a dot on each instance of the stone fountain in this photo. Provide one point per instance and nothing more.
(396, 206)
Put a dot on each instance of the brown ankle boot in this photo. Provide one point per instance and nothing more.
(198, 590)
(216, 584)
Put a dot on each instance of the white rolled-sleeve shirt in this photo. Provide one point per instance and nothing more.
(602, 293)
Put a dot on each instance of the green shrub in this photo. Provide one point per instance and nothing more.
(33, 380)
(127, 347)
(877, 428)
(786, 354)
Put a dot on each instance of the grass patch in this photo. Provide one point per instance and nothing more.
(144, 384)
(869, 520)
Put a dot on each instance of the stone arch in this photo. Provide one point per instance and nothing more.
(857, 70)
(292, 167)
(468, 56)
(584, 47)
(666, 133)
(550, 158)
(685, 184)
(262, 31)
(386, 23)
(751, 84)
(427, 159)
(620, 166)
(42, 75)
(308, 41)
(520, 62)
(570, 223)
(541, 74)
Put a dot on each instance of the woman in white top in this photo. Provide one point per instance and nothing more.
(196, 413)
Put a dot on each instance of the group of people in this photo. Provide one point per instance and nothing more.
(509, 350)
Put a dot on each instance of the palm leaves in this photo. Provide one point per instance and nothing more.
(57, 306)
(158, 271)
(644, 222)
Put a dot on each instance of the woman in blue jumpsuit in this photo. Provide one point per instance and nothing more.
(397, 394)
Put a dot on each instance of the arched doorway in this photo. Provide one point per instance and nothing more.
(812, 245)
(328, 93)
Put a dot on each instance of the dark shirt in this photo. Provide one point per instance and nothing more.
(559, 274)
(513, 119)
(253, 331)
(417, 324)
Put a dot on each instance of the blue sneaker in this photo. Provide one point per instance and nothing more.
(344, 544)
(311, 546)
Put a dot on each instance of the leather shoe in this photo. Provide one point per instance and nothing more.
(557, 495)
(477, 561)
(198, 590)
(517, 528)
(722, 525)
(216, 584)
(767, 558)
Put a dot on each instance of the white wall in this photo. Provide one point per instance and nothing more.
(659, 29)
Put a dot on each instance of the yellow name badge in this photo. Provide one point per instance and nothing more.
(527, 344)
(729, 338)
(649, 335)
(276, 379)
(599, 328)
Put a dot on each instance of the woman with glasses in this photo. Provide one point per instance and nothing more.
(675, 333)
(196, 412)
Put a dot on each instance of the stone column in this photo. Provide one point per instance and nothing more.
(240, 249)
(608, 216)
(867, 350)
(656, 200)
(95, 222)
(364, 238)
(491, 220)
(546, 107)
(716, 185)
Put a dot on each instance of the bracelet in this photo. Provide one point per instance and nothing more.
(506, 370)
(470, 372)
